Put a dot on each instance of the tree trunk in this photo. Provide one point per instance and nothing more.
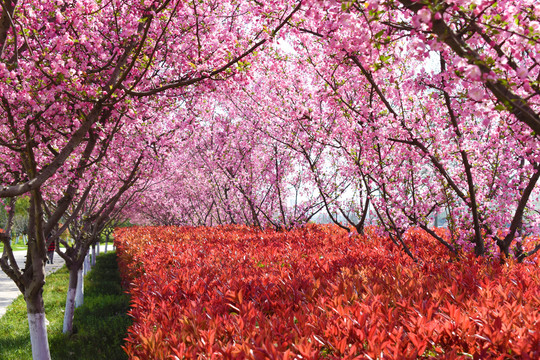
(93, 255)
(106, 242)
(504, 248)
(37, 326)
(70, 301)
(86, 266)
(79, 294)
(479, 247)
(97, 249)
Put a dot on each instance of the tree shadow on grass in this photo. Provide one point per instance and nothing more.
(100, 325)
(14, 347)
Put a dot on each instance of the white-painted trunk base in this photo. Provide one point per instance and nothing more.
(93, 256)
(86, 264)
(38, 336)
(70, 310)
(79, 294)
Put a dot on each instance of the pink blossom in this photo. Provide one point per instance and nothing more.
(522, 72)
(477, 93)
(424, 15)
(473, 72)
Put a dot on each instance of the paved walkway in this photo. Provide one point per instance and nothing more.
(8, 289)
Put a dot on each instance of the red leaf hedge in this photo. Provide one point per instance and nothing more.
(314, 293)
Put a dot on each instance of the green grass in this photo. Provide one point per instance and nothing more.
(21, 246)
(15, 247)
(99, 326)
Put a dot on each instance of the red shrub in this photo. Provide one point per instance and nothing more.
(238, 293)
